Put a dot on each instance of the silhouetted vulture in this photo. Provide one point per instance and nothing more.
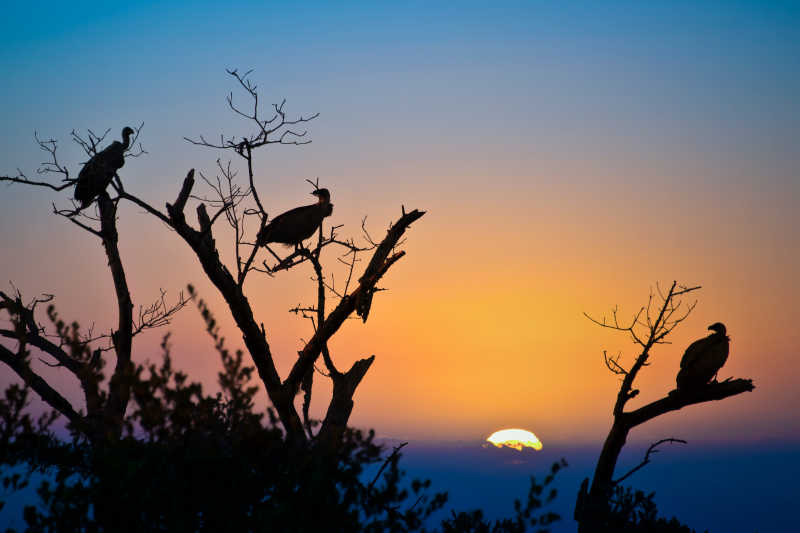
(298, 224)
(703, 359)
(97, 173)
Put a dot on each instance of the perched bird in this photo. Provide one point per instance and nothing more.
(97, 173)
(703, 359)
(298, 224)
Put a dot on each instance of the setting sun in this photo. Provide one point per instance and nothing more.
(515, 438)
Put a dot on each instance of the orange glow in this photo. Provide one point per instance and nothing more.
(488, 302)
(515, 438)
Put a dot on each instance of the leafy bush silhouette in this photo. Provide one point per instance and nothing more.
(190, 461)
(633, 511)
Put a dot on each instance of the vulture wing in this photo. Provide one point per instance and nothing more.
(284, 227)
(695, 350)
(295, 225)
(97, 173)
(702, 360)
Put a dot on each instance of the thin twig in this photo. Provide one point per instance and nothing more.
(651, 450)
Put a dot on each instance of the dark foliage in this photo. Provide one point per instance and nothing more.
(538, 496)
(190, 461)
(195, 462)
(633, 511)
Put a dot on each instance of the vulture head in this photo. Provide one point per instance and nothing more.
(717, 327)
(323, 195)
(126, 135)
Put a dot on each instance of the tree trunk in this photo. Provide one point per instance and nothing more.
(591, 506)
(341, 406)
(595, 504)
(120, 382)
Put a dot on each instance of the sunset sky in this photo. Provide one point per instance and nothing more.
(568, 157)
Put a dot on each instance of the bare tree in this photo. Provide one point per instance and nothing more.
(80, 353)
(241, 206)
(648, 328)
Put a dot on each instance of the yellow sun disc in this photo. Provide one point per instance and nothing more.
(515, 438)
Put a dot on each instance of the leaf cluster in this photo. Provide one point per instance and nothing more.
(633, 511)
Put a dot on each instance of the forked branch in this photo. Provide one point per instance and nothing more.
(277, 129)
(650, 451)
(379, 264)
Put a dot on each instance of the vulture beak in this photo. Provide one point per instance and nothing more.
(318, 195)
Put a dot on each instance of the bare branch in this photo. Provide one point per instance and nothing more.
(47, 393)
(71, 216)
(274, 130)
(30, 332)
(612, 363)
(47, 167)
(378, 266)
(144, 205)
(388, 460)
(648, 327)
(651, 450)
(680, 399)
(159, 313)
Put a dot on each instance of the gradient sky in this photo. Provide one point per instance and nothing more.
(568, 157)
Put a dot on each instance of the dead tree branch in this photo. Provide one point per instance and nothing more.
(392, 456)
(378, 266)
(274, 130)
(651, 450)
(159, 313)
(48, 394)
